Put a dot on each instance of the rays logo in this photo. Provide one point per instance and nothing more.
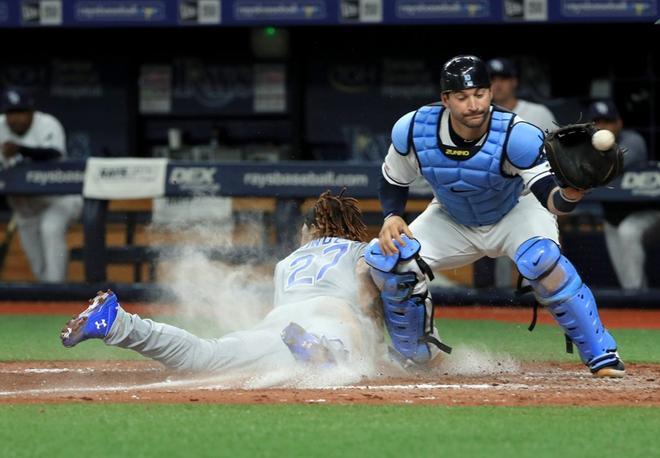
(149, 12)
(310, 11)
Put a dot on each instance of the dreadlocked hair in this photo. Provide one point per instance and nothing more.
(339, 216)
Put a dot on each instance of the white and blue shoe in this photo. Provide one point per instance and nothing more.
(94, 322)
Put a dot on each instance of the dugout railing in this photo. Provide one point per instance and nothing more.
(291, 184)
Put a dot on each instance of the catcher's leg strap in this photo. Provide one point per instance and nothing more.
(408, 309)
(558, 286)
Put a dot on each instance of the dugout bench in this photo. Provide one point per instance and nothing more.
(138, 214)
(261, 210)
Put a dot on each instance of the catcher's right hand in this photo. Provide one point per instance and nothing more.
(576, 163)
(392, 229)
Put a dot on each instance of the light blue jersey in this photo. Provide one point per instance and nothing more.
(323, 267)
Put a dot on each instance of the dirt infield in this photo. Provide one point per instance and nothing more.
(139, 382)
(520, 385)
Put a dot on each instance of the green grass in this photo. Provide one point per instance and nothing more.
(213, 430)
(333, 431)
(545, 343)
(36, 337)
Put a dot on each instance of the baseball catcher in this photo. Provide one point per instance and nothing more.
(498, 184)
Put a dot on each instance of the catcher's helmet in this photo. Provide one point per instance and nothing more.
(463, 72)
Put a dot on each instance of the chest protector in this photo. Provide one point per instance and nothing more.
(473, 191)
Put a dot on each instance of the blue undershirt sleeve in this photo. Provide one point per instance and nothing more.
(392, 198)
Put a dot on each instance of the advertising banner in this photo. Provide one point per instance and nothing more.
(124, 178)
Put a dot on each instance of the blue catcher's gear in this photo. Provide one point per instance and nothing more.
(406, 302)
(401, 133)
(470, 182)
(559, 287)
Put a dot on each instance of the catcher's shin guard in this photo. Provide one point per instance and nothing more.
(408, 309)
(558, 286)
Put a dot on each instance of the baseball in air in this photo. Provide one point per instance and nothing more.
(602, 140)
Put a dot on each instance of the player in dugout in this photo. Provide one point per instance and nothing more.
(29, 136)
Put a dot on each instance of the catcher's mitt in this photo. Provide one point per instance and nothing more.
(576, 163)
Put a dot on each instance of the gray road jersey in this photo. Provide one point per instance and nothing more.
(323, 267)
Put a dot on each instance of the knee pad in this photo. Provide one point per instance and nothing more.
(408, 309)
(558, 286)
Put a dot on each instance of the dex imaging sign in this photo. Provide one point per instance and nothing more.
(194, 180)
(644, 183)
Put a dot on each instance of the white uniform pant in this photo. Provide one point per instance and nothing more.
(260, 347)
(625, 244)
(447, 244)
(43, 233)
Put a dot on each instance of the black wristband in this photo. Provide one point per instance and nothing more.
(561, 204)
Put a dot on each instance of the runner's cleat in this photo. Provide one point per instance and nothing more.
(94, 322)
(307, 347)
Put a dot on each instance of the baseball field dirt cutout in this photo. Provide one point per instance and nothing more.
(123, 381)
(489, 380)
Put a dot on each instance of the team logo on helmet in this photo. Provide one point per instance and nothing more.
(601, 108)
